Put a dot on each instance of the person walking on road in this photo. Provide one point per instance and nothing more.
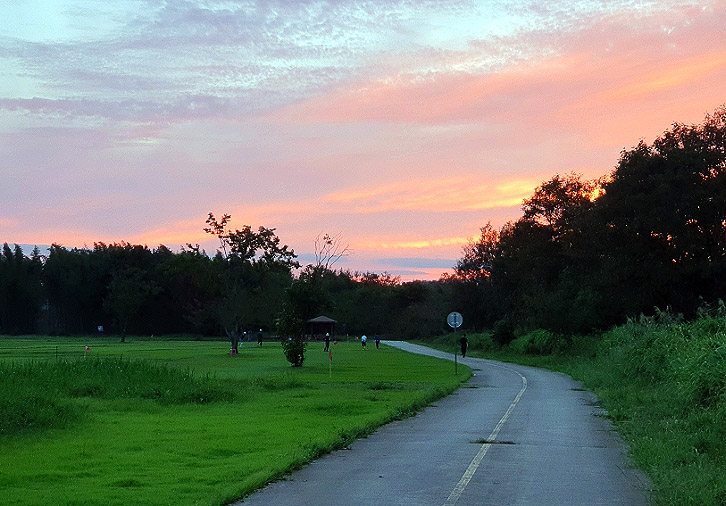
(363, 340)
(327, 341)
(464, 342)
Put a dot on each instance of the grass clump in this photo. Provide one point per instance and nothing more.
(31, 412)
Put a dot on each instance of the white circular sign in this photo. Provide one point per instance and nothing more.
(454, 320)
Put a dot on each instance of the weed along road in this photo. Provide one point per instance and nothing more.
(512, 436)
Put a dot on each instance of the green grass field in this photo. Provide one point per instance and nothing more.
(256, 418)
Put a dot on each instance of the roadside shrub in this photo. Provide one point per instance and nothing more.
(699, 369)
(710, 325)
(714, 311)
(540, 342)
(477, 341)
(704, 376)
(640, 349)
(503, 332)
(481, 342)
(690, 357)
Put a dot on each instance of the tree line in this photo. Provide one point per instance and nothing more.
(252, 282)
(584, 255)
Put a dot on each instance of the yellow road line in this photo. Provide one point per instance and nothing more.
(474, 465)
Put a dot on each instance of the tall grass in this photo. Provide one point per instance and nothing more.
(687, 358)
(36, 394)
(666, 389)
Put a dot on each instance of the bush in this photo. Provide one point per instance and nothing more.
(703, 375)
(477, 341)
(481, 342)
(294, 349)
(503, 332)
(541, 342)
(290, 329)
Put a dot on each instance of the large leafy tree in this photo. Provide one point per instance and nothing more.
(127, 292)
(472, 291)
(479, 255)
(245, 261)
(543, 258)
(586, 254)
(663, 216)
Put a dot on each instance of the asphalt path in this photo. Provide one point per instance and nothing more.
(511, 436)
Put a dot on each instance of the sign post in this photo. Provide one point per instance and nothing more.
(455, 320)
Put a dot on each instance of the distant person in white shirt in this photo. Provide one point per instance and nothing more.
(363, 340)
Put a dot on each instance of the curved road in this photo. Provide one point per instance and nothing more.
(511, 436)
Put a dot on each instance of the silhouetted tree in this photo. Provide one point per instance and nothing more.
(21, 290)
(245, 259)
(127, 292)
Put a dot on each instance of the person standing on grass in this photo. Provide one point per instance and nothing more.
(363, 340)
(259, 338)
(234, 340)
(327, 341)
(378, 340)
(464, 344)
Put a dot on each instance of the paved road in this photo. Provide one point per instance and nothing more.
(512, 436)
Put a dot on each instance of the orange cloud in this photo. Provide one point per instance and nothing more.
(174, 234)
(71, 238)
(445, 194)
(686, 71)
(299, 220)
(376, 244)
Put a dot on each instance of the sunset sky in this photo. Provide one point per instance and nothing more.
(403, 125)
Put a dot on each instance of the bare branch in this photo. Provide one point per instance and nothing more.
(329, 249)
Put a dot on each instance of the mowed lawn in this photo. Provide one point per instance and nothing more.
(140, 451)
